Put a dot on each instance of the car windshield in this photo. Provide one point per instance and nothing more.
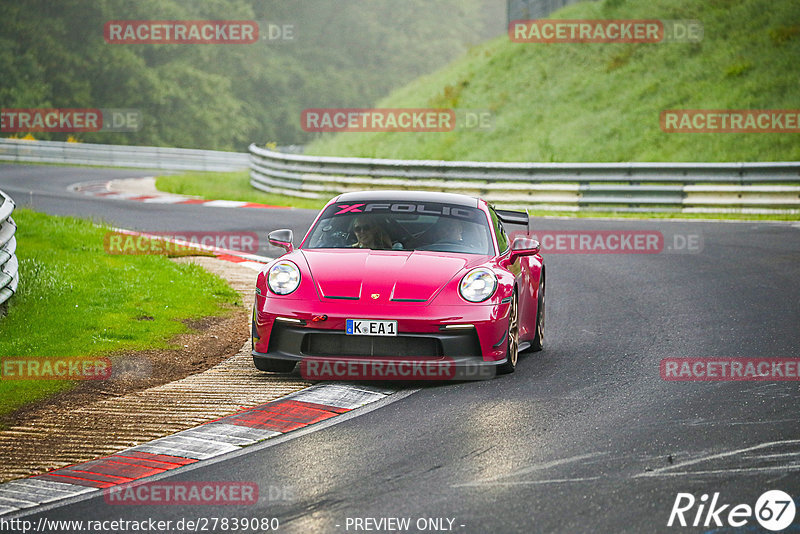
(392, 225)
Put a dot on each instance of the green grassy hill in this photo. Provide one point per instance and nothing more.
(602, 102)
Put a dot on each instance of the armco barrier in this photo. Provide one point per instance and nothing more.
(687, 187)
(9, 267)
(143, 157)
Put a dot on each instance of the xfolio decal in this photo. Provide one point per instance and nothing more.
(349, 208)
(407, 207)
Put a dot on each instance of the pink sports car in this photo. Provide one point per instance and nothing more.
(402, 275)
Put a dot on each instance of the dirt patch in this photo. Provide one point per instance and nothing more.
(212, 340)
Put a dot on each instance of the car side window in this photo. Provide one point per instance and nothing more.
(502, 238)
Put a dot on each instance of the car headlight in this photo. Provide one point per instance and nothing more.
(283, 277)
(478, 285)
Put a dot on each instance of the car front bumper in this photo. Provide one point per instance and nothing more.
(465, 341)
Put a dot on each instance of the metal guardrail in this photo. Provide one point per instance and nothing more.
(9, 267)
(145, 157)
(687, 187)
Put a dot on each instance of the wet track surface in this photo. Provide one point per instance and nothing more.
(584, 437)
(44, 188)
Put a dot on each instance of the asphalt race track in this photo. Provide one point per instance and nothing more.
(584, 437)
(44, 188)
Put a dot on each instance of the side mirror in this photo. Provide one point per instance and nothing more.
(523, 246)
(282, 239)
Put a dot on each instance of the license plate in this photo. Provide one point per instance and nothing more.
(366, 327)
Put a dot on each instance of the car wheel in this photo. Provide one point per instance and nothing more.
(512, 353)
(538, 341)
(274, 366)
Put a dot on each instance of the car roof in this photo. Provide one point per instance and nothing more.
(410, 196)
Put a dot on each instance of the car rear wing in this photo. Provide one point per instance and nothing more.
(513, 217)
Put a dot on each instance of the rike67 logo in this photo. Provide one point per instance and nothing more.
(774, 510)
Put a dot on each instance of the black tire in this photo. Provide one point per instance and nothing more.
(538, 341)
(512, 353)
(274, 366)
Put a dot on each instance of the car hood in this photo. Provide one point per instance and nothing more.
(410, 276)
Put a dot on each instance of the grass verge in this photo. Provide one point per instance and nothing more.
(228, 186)
(598, 102)
(75, 300)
